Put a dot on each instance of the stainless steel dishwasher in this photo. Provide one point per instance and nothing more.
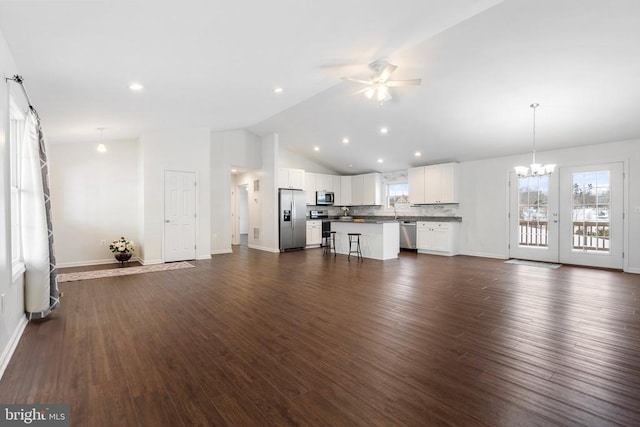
(408, 235)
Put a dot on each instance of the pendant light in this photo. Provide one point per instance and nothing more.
(535, 169)
(101, 147)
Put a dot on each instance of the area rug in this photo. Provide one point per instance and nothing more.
(99, 274)
(533, 263)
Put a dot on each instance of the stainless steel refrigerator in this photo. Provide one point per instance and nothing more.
(292, 210)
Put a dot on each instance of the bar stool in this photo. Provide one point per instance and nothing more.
(328, 242)
(354, 239)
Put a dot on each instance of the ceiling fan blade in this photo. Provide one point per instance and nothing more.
(412, 82)
(352, 79)
(386, 72)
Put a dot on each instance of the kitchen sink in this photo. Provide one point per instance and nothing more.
(346, 218)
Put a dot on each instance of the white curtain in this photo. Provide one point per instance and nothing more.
(37, 239)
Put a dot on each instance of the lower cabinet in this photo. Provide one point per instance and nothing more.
(314, 233)
(438, 238)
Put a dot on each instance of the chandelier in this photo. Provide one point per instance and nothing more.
(534, 169)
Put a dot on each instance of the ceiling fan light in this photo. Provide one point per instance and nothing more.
(383, 93)
(370, 92)
(522, 170)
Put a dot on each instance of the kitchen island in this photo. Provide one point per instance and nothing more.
(379, 239)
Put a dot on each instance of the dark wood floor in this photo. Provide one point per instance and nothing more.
(254, 338)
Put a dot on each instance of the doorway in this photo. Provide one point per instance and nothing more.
(572, 217)
(179, 216)
(242, 210)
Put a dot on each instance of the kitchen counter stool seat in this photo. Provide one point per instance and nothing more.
(354, 246)
(328, 242)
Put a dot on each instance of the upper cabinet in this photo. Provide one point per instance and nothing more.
(345, 192)
(324, 182)
(434, 184)
(291, 178)
(366, 189)
(310, 184)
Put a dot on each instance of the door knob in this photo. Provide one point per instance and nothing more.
(166, 220)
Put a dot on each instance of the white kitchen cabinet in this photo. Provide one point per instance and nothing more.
(314, 233)
(337, 189)
(311, 186)
(434, 184)
(345, 191)
(366, 190)
(291, 178)
(324, 182)
(357, 190)
(416, 186)
(438, 238)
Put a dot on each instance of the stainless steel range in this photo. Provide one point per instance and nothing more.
(324, 216)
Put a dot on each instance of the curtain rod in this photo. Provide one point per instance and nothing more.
(18, 79)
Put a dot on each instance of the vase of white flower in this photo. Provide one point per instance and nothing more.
(122, 249)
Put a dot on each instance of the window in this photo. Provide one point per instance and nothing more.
(16, 129)
(398, 195)
(533, 203)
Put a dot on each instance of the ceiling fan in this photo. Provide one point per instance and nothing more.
(378, 85)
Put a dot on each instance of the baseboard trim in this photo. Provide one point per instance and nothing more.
(221, 251)
(203, 257)
(93, 262)
(632, 270)
(12, 344)
(484, 255)
(264, 248)
(151, 261)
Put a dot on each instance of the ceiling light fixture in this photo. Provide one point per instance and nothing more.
(234, 170)
(417, 154)
(278, 90)
(101, 147)
(384, 131)
(535, 169)
(316, 148)
(380, 160)
(137, 87)
(345, 140)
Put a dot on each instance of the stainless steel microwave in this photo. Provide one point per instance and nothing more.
(324, 198)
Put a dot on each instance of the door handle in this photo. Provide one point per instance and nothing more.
(166, 220)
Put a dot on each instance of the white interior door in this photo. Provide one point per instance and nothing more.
(179, 216)
(591, 215)
(533, 218)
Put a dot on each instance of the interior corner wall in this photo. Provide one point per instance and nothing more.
(94, 200)
(186, 150)
(240, 149)
(268, 197)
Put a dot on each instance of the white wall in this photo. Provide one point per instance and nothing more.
(12, 318)
(186, 150)
(289, 159)
(484, 197)
(94, 199)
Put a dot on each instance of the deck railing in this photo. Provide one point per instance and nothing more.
(587, 235)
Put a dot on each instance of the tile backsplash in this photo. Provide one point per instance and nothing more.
(413, 211)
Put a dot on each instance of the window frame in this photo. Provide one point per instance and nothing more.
(17, 119)
(388, 196)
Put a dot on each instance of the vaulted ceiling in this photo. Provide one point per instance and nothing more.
(215, 65)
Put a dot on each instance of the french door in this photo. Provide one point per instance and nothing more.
(574, 216)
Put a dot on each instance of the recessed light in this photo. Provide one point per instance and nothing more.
(136, 87)
(350, 166)
(380, 160)
(384, 130)
(417, 154)
(234, 170)
(316, 148)
(278, 90)
(102, 148)
(345, 140)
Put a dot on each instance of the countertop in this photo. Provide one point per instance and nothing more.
(383, 219)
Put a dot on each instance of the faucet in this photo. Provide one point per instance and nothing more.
(395, 214)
